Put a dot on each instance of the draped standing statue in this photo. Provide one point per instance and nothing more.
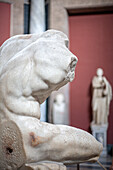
(102, 95)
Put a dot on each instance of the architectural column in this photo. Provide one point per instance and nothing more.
(37, 26)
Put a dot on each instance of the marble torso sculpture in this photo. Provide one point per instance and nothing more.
(102, 95)
(31, 67)
(59, 109)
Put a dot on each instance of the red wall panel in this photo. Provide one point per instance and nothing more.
(91, 40)
(4, 22)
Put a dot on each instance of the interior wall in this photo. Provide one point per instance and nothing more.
(4, 22)
(91, 40)
(16, 16)
(58, 19)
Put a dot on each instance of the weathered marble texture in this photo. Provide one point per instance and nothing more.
(31, 67)
(44, 166)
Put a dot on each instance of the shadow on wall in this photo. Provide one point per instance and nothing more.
(89, 106)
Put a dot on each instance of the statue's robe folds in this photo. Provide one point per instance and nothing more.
(102, 95)
(31, 67)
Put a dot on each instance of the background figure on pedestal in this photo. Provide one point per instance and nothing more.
(59, 109)
(102, 95)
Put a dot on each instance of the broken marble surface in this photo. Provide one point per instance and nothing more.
(31, 67)
(44, 166)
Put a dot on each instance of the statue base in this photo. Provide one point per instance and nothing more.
(44, 166)
(100, 133)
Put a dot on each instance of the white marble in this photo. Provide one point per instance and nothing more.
(31, 67)
(102, 95)
(59, 109)
(44, 166)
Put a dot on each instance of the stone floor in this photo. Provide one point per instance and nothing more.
(105, 161)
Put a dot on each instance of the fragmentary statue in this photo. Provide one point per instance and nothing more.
(31, 67)
(102, 95)
(59, 106)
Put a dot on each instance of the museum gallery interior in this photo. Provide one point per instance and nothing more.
(56, 107)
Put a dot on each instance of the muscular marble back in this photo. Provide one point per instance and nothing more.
(31, 67)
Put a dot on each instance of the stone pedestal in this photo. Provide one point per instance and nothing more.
(100, 133)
